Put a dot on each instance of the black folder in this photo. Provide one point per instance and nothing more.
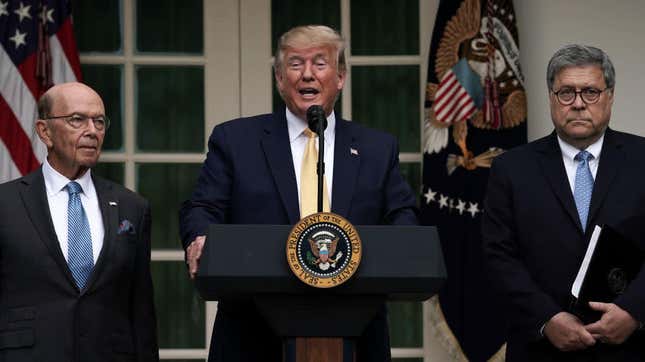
(613, 264)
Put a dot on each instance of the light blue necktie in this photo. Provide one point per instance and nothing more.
(79, 239)
(583, 186)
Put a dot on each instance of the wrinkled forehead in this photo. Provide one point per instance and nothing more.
(326, 52)
(77, 100)
(580, 74)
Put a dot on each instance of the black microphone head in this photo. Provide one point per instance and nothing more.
(316, 117)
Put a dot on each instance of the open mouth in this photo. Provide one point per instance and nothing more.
(308, 91)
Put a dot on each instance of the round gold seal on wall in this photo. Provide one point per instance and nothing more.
(324, 250)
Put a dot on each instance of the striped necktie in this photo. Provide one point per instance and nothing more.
(583, 186)
(79, 239)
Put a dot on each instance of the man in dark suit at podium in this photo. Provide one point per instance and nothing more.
(254, 174)
(543, 201)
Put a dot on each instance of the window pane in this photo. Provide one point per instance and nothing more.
(412, 174)
(166, 186)
(108, 82)
(170, 26)
(97, 25)
(110, 170)
(406, 327)
(170, 108)
(384, 27)
(285, 14)
(180, 309)
(387, 97)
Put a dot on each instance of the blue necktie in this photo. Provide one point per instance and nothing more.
(79, 246)
(583, 186)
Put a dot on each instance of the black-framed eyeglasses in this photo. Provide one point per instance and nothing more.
(567, 95)
(81, 120)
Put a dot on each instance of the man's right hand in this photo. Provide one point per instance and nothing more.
(567, 333)
(193, 254)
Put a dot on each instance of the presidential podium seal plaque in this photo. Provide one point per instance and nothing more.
(324, 250)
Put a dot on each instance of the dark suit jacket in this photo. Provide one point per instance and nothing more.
(43, 315)
(248, 178)
(534, 242)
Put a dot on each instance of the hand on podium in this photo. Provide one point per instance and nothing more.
(567, 333)
(193, 254)
(615, 325)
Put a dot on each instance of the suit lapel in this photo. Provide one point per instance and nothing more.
(275, 143)
(611, 158)
(553, 167)
(346, 165)
(34, 197)
(110, 216)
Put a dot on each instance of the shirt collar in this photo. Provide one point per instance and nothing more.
(570, 152)
(55, 182)
(296, 126)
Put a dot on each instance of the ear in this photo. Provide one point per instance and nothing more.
(279, 79)
(44, 132)
(553, 99)
(341, 80)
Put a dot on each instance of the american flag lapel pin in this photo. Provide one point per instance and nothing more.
(353, 151)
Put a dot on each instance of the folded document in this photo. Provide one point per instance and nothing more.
(610, 264)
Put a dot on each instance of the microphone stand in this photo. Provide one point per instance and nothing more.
(320, 167)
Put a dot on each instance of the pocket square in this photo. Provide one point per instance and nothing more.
(126, 227)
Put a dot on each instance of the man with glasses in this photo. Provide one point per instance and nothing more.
(543, 201)
(74, 248)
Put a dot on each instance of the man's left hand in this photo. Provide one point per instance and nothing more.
(615, 325)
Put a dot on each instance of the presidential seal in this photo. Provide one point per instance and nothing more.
(324, 250)
(617, 280)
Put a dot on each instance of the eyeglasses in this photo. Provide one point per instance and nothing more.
(567, 95)
(80, 120)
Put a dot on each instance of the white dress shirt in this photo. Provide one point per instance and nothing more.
(298, 141)
(568, 153)
(571, 165)
(57, 197)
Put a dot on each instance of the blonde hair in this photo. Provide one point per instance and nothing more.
(310, 36)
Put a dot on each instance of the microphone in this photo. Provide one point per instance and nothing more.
(317, 123)
(316, 118)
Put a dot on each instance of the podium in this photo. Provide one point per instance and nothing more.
(399, 263)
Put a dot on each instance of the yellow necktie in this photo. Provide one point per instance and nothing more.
(309, 179)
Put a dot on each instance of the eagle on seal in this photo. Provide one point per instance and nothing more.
(323, 249)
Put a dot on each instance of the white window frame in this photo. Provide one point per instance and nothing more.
(237, 61)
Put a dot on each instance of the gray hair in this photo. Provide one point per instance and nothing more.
(310, 36)
(45, 105)
(576, 55)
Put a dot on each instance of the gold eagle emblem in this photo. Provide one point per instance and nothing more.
(468, 35)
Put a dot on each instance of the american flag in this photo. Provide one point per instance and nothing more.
(37, 50)
(459, 94)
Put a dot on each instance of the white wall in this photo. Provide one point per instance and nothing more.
(617, 27)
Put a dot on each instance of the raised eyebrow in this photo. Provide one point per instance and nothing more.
(294, 58)
(321, 56)
(86, 116)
